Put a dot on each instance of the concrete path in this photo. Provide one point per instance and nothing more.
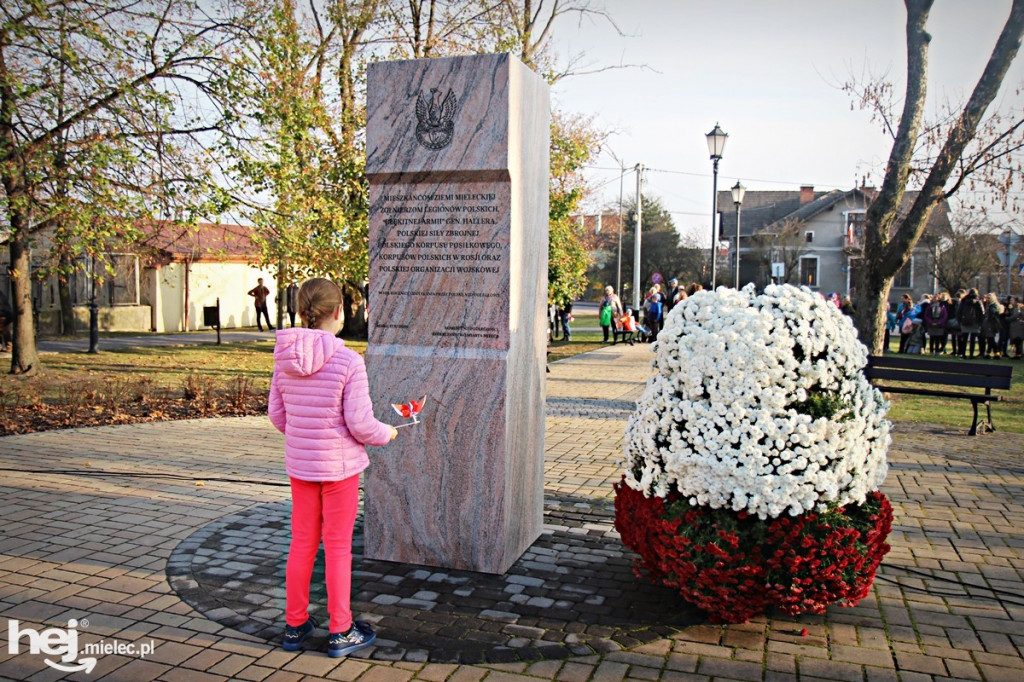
(80, 344)
(131, 560)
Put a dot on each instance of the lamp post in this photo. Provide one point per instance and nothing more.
(94, 326)
(618, 275)
(716, 145)
(638, 223)
(738, 191)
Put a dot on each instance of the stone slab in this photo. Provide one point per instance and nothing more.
(457, 158)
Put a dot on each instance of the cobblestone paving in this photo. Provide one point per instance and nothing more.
(573, 593)
(77, 543)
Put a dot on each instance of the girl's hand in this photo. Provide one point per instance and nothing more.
(394, 433)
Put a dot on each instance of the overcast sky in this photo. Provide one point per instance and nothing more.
(770, 73)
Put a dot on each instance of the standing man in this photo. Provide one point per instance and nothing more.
(565, 317)
(670, 296)
(291, 297)
(260, 293)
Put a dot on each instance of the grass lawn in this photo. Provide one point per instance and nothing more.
(1007, 415)
(183, 381)
(171, 382)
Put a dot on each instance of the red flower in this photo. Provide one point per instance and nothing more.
(735, 566)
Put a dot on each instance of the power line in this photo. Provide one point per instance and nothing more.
(730, 177)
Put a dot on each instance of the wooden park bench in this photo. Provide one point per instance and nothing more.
(946, 374)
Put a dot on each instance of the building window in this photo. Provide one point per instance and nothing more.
(117, 281)
(854, 228)
(809, 271)
(905, 277)
(808, 237)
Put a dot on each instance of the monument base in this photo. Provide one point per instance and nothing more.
(457, 493)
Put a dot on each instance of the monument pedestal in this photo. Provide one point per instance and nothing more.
(457, 159)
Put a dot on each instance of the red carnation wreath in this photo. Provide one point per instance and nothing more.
(736, 566)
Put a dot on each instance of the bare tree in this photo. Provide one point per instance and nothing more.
(962, 256)
(89, 119)
(781, 242)
(970, 148)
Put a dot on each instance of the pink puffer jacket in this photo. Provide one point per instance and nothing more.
(320, 401)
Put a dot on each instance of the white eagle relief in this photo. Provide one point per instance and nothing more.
(435, 119)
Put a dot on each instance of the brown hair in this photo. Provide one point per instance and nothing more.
(317, 298)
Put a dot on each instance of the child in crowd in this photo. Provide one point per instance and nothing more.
(319, 398)
(915, 344)
(628, 326)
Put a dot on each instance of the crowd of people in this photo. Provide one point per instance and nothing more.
(649, 320)
(964, 325)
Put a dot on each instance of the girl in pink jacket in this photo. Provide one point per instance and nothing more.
(320, 401)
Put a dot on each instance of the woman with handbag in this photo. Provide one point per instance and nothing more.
(903, 315)
(610, 310)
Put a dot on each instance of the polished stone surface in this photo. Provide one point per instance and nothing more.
(457, 158)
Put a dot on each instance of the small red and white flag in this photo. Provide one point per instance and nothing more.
(410, 410)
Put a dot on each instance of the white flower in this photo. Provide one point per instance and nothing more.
(727, 420)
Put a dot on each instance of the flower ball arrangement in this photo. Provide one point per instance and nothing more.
(754, 457)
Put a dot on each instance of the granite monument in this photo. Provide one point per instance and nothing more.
(457, 159)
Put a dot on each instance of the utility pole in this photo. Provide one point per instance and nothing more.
(618, 276)
(636, 246)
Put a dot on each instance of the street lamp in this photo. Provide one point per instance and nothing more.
(94, 326)
(716, 145)
(738, 191)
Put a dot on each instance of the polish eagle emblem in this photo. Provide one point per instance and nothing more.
(435, 119)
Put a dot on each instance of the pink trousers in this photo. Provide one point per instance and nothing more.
(328, 510)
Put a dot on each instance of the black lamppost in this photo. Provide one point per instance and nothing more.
(94, 312)
(716, 145)
(738, 190)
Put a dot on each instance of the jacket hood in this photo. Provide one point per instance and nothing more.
(301, 352)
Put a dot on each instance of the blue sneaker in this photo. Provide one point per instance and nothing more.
(359, 636)
(295, 636)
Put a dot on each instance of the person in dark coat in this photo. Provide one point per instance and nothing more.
(970, 314)
(260, 294)
(935, 316)
(6, 322)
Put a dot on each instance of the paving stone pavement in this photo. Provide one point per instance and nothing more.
(116, 553)
(80, 344)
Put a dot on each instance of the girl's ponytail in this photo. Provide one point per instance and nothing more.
(317, 298)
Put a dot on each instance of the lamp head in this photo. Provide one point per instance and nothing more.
(716, 142)
(738, 190)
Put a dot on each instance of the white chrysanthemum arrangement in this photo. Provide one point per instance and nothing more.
(759, 404)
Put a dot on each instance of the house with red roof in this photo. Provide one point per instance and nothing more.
(160, 283)
(187, 268)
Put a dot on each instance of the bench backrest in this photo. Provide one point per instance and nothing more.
(920, 370)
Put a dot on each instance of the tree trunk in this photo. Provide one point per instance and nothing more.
(282, 301)
(67, 312)
(188, 291)
(25, 357)
(872, 312)
(355, 326)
